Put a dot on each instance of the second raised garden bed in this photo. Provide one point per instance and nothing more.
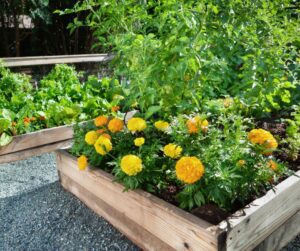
(267, 223)
(36, 143)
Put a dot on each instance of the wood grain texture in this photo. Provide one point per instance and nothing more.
(61, 59)
(282, 235)
(38, 138)
(168, 224)
(250, 226)
(24, 154)
(138, 235)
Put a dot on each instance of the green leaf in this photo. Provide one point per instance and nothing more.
(4, 124)
(199, 198)
(152, 110)
(5, 139)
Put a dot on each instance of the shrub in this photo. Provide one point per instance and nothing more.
(176, 54)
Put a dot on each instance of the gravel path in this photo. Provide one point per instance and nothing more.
(36, 213)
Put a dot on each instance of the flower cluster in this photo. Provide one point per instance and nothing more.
(183, 153)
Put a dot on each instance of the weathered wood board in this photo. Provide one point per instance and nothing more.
(38, 138)
(36, 143)
(27, 153)
(61, 59)
(154, 224)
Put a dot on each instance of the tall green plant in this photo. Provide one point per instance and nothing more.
(177, 54)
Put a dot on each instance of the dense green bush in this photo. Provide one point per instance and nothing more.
(177, 54)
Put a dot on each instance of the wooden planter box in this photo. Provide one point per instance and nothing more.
(268, 223)
(36, 143)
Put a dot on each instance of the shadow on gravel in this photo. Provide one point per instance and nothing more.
(49, 218)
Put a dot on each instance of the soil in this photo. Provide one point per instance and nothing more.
(211, 213)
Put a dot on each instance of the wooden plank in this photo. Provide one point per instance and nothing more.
(61, 59)
(171, 225)
(281, 236)
(11, 157)
(38, 138)
(138, 235)
(250, 226)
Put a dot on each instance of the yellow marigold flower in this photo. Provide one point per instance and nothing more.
(139, 141)
(136, 124)
(82, 162)
(101, 121)
(115, 125)
(194, 124)
(173, 151)
(241, 162)
(272, 164)
(264, 138)
(103, 145)
(161, 125)
(131, 165)
(91, 137)
(189, 169)
(204, 126)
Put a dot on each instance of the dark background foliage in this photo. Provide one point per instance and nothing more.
(49, 36)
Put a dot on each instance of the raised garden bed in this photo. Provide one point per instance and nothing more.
(36, 143)
(268, 223)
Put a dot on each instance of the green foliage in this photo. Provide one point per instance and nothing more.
(177, 55)
(61, 98)
(292, 141)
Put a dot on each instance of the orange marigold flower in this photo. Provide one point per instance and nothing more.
(26, 121)
(101, 121)
(82, 162)
(272, 164)
(115, 108)
(42, 118)
(106, 135)
(100, 131)
(115, 125)
(33, 119)
(189, 169)
(194, 124)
